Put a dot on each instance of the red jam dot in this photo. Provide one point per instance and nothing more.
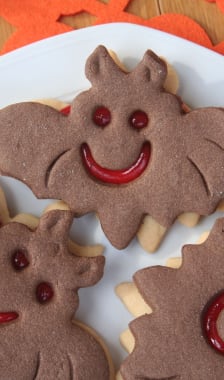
(44, 292)
(20, 260)
(209, 322)
(139, 119)
(101, 116)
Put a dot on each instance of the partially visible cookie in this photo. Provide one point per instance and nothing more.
(32, 222)
(39, 281)
(179, 330)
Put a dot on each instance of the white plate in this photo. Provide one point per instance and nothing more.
(55, 68)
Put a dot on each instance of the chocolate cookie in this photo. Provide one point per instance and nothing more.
(127, 149)
(183, 338)
(39, 281)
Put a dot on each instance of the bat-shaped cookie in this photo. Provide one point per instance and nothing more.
(179, 330)
(127, 149)
(39, 280)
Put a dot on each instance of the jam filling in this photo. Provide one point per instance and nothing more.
(209, 322)
(44, 292)
(8, 316)
(139, 119)
(101, 116)
(120, 176)
(20, 260)
(66, 110)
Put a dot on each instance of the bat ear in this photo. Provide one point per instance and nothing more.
(151, 69)
(56, 223)
(100, 65)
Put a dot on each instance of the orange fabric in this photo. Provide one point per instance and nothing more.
(37, 19)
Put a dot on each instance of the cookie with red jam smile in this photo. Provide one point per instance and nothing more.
(127, 149)
(179, 329)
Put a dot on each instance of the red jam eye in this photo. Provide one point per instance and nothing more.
(44, 292)
(20, 260)
(139, 119)
(101, 116)
(209, 322)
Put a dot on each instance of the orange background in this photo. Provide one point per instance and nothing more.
(26, 21)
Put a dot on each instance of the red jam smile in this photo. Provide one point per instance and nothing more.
(117, 177)
(210, 318)
(8, 316)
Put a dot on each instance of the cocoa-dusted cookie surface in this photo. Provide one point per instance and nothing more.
(38, 300)
(127, 149)
(183, 338)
